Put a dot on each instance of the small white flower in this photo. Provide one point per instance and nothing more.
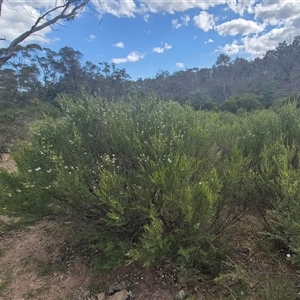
(37, 169)
(49, 171)
(288, 255)
(29, 171)
(19, 191)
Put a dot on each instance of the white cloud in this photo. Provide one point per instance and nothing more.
(168, 46)
(119, 45)
(16, 19)
(176, 24)
(259, 45)
(91, 38)
(180, 65)
(283, 18)
(231, 49)
(158, 50)
(172, 6)
(133, 56)
(146, 18)
(184, 22)
(295, 22)
(162, 49)
(204, 21)
(118, 8)
(209, 41)
(276, 12)
(241, 6)
(239, 26)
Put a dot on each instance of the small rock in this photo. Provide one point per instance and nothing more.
(116, 287)
(101, 296)
(121, 295)
(86, 293)
(181, 295)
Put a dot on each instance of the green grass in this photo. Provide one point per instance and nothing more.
(42, 268)
(5, 279)
(18, 224)
(30, 294)
(242, 283)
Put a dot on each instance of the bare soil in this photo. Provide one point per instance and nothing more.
(30, 265)
(6, 162)
(30, 268)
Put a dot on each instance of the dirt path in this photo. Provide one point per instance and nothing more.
(29, 265)
(30, 261)
(30, 269)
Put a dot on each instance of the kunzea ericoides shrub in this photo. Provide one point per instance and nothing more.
(149, 181)
(140, 175)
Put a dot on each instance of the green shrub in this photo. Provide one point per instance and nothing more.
(284, 215)
(140, 176)
(15, 121)
(152, 182)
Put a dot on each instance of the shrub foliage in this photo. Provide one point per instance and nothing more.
(151, 182)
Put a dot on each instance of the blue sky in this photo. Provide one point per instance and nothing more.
(147, 35)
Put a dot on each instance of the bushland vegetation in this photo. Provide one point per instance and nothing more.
(152, 174)
(149, 181)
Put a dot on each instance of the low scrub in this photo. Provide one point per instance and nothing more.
(151, 182)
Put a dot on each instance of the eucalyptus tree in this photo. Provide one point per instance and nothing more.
(22, 72)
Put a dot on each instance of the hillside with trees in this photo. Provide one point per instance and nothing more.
(36, 72)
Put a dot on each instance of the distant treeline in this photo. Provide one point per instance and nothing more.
(41, 73)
